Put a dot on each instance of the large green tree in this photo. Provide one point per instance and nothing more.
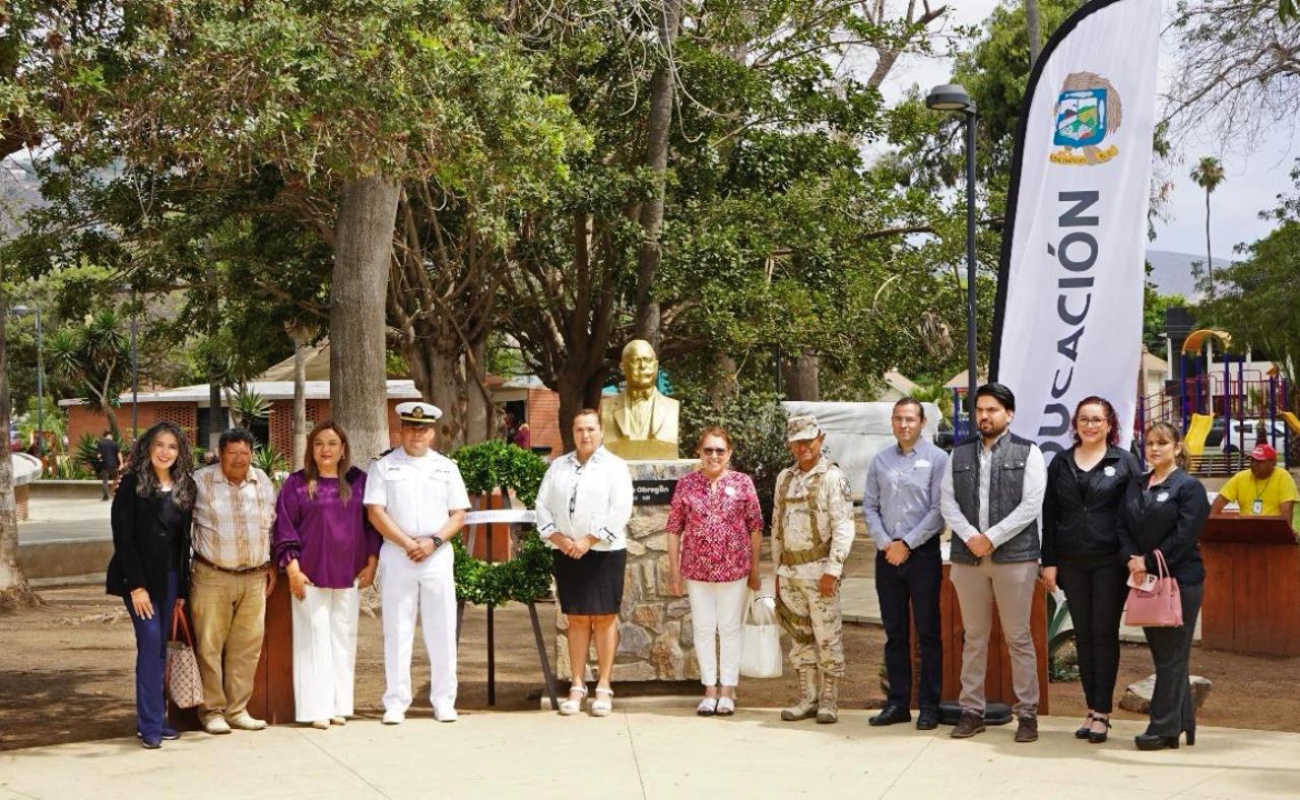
(342, 103)
(764, 126)
(1257, 302)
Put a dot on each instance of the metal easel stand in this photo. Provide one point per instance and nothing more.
(517, 519)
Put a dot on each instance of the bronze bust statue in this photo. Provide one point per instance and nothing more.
(640, 423)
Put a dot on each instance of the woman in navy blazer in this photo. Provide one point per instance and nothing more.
(1164, 510)
(150, 569)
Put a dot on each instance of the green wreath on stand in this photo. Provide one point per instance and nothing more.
(526, 577)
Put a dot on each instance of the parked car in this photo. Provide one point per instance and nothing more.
(1244, 434)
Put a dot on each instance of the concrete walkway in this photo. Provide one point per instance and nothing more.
(655, 748)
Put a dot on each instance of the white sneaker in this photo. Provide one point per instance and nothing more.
(394, 717)
(245, 721)
(445, 714)
(216, 725)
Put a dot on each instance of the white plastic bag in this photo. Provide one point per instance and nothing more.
(761, 656)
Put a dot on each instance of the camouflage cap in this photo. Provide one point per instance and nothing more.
(801, 429)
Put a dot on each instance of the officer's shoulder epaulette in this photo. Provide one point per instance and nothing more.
(386, 452)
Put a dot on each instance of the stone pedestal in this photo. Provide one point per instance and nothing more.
(656, 641)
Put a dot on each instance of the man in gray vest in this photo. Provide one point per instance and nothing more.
(991, 497)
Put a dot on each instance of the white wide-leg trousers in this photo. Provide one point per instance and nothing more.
(324, 653)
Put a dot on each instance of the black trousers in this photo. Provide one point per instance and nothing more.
(1171, 650)
(1095, 593)
(914, 583)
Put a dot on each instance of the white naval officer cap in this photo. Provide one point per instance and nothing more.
(418, 413)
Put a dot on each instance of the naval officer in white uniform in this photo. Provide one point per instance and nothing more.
(416, 498)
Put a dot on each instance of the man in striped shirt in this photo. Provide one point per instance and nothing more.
(232, 576)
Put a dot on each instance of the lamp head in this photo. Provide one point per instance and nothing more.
(950, 97)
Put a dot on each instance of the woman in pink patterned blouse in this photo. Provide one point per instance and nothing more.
(716, 530)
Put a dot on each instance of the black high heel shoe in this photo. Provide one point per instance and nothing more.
(1085, 730)
(1191, 737)
(1098, 738)
(1150, 741)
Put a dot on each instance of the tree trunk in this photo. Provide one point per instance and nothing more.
(301, 337)
(1032, 30)
(800, 377)
(447, 392)
(216, 414)
(576, 393)
(14, 590)
(656, 159)
(479, 423)
(1209, 252)
(362, 256)
(726, 386)
(216, 418)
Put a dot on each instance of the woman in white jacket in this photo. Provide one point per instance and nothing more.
(583, 507)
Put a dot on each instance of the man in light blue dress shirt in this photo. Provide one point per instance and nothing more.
(901, 504)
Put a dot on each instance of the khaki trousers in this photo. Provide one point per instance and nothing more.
(229, 613)
(1012, 586)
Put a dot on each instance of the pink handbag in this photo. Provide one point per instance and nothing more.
(1162, 607)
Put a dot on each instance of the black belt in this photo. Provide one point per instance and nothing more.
(237, 571)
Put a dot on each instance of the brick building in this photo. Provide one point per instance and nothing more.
(189, 408)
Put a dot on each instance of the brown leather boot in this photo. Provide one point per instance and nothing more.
(806, 706)
(828, 705)
(969, 724)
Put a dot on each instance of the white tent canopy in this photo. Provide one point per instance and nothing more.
(855, 432)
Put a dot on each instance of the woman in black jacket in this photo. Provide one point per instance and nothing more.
(1165, 510)
(150, 568)
(1081, 547)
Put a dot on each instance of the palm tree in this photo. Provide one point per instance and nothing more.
(95, 356)
(1208, 175)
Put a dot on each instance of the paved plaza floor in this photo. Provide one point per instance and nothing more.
(656, 748)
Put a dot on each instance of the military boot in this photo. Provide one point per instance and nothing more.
(828, 705)
(806, 706)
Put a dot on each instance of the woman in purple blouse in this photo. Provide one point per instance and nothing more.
(326, 545)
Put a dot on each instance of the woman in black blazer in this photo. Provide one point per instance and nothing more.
(1085, 489)
(1164, 510)
(150, 569)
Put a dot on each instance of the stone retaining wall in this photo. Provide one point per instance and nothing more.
(656, 641)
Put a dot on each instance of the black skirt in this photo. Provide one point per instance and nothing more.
(591, 585)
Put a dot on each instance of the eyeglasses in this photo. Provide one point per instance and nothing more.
(1091, 422)
(713, 451)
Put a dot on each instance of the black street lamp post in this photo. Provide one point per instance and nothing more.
(951, 97)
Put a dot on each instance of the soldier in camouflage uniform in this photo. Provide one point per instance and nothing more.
(812, 531)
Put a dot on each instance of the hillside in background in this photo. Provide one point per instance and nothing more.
(1172, 272)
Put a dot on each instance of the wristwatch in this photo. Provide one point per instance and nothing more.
(437, 542)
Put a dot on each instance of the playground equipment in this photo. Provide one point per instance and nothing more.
(1223, 407)
(1197, 431)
